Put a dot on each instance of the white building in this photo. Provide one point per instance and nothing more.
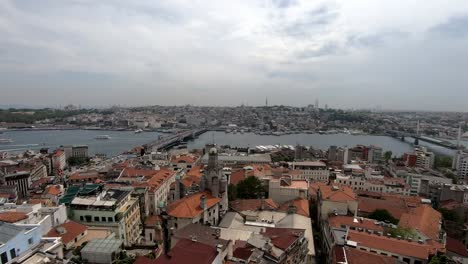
(424, 158)
(460, 163)
(314, 171)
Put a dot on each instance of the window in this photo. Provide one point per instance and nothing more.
(406, 260)
(81, 218)
(4, 258)
(12, 253)
(109, 219)
(30, 241)
(96, 219)
(103, 219)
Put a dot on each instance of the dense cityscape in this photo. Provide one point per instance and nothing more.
(166, 202)
(233, 132)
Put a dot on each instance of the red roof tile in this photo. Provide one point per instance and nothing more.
(339, 220)
(401, 247)
(424, 219)
(456, 246)
(72, 230)
(337, 193)
(187, 251)
(283, 238)
(12, 216)
(252, 204)
(356, 256)
(302, 206)
(189, 206)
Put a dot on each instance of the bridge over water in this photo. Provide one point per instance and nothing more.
(166, 142)
(402, 135)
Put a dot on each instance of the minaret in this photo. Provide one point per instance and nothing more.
(266, 102)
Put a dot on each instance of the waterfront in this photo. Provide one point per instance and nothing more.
(124, 140)
(120, 140)
(317, 141)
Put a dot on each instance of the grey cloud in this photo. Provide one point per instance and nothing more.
(284, 3)
(376, 39)
(327, 49)
(455, 27)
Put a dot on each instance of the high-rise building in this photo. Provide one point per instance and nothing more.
(460, 163)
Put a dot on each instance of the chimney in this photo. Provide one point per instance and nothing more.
(262, 202)
(203, 202)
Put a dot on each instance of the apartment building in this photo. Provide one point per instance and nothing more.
(313, 171)
(112, 209)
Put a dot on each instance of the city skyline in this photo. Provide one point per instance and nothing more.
(348, 55)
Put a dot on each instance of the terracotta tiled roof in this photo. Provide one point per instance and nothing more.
(282, 238)
(396, 205)
(456, 246)
(189, 158)
(189, 206)
(337, 193)
(152, 220)
(84, 176)
(195, 171)
(450, 204)
(133, 172)
(188, 181)
(368, 224)
(159, 178)
(12, 216)
(302, 206)
(401, 247)
(314, 188)
(54, 190)
(72, 230)
(187, 251)
(425, 219)
(356, 256)
(237, 176)
(252, 204)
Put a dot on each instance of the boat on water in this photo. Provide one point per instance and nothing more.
(6, 140)
(138, 131)
(102, 137)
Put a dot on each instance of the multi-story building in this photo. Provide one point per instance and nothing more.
(286, 189)
(374, 154)
(113, 209)
(206, 206)
(312, 171)
(425, 159)
(59, 161)
(21, 180)
(460, 163)
(335, 199)
(375, 184)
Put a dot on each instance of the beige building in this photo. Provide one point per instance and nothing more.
(286, 189)
(313, 171)
(337, 200)
(111, 209)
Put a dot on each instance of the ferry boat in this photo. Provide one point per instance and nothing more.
(138, 131)
(5, 141)
(102, 137)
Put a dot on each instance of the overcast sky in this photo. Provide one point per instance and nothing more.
(396, 54)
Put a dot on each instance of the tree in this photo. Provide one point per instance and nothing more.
(387, 155)
(383, 215)
(441, 161)
(232, 192)
(403, 233)
(439, 259)
(250, 188)
(449, 215)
